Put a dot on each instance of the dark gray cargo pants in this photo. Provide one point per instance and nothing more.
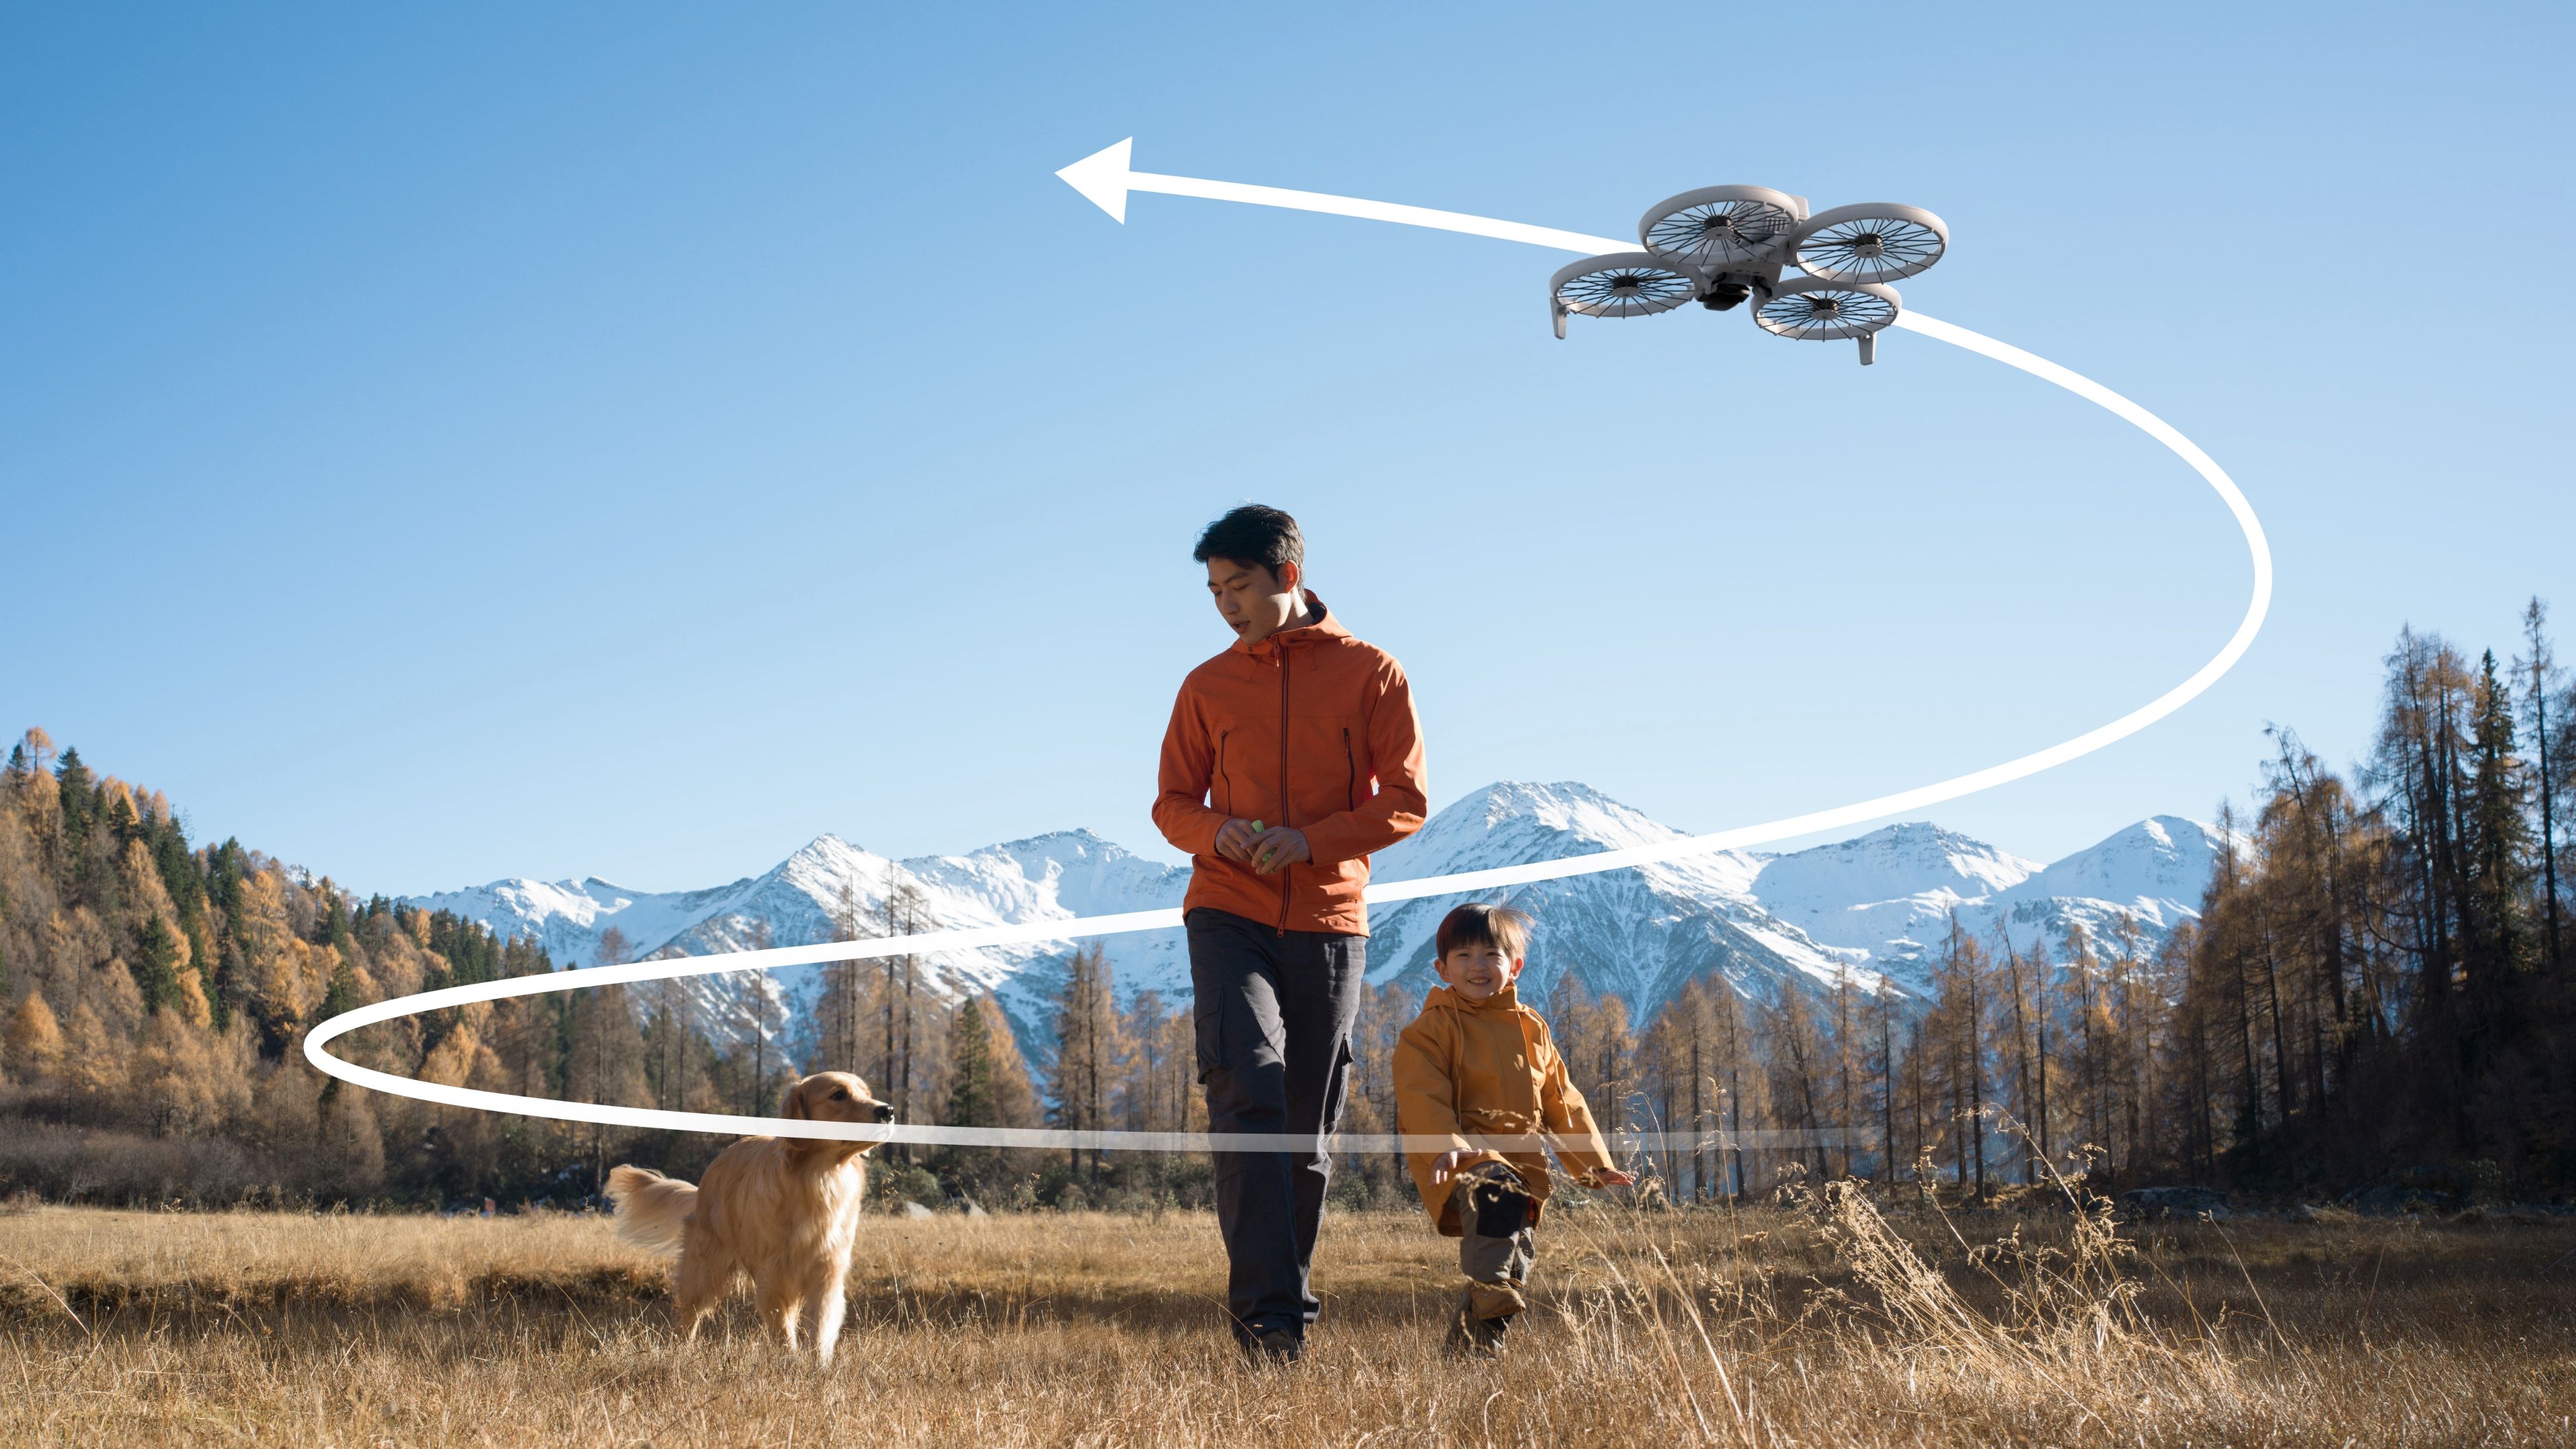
(1273, 1010)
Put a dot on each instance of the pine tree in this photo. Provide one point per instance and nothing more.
(2499, 843)
(2541, 668)
(988, 1086)
(974, 1096)
(1090, 1048)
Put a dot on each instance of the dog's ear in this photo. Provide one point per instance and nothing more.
(795, 1108)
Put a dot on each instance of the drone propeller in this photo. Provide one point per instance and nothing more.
(1876, 241)
(1818, 309)
(1620, 284)
(1717, 227)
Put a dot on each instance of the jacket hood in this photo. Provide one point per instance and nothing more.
(1506, 1000)
(1322, 627)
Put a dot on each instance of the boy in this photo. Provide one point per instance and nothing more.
(1478, 1063)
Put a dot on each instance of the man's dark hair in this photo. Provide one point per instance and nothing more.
(1482, 925)
(1254, 534)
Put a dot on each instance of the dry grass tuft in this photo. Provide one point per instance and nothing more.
(1827, 1321)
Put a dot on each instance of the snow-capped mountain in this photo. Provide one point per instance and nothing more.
(1885, 898)
(1639, 934)
(803, 898)
(1875, 904)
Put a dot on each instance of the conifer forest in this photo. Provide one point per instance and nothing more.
(2379, 997)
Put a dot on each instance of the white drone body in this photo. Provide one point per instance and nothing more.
(1723, 245)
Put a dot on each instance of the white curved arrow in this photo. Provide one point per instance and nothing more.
(1105, 177)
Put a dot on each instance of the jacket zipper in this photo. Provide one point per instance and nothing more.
(1283, 781)
(1350, 771)
(1225, 801)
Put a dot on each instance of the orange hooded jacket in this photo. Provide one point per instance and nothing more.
(1488, 1068)
(1309, 728)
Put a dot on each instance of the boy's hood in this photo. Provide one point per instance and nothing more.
(1508, 999)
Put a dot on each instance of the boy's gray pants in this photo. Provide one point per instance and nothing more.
(1273, 1014)
(1492, 1260)
(1497, 1259)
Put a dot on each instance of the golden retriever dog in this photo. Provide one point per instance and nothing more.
(783, 1209)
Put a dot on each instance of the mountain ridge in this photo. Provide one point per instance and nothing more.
(1874, 904)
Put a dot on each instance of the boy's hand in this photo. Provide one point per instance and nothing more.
(1276, 849)
(1613, 1177)
(1445, 1166)
(1235, 836)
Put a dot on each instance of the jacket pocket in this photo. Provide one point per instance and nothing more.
(1207, 1032)
(1325, 767)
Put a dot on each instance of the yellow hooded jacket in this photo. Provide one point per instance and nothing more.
(1488, 1068)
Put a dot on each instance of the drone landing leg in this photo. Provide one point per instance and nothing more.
(1868, 348)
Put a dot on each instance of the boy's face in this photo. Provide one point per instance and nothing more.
(1477, 972)
(1253, 600)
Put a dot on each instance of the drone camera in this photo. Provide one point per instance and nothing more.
(1726, 291)
(1725, 295)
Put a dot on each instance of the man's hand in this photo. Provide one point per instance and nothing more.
(1276, 849)
(1234, 839)
(1445, 1166)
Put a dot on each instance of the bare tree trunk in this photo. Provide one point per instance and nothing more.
(1699, 1124)
(1886, 1083)
(2021, 1046)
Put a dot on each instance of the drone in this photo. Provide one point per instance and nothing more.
(1722, 246)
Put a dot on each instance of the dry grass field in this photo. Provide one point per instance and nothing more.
(1834, 1325)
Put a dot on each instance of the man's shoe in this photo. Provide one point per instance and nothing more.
(1275, 1346)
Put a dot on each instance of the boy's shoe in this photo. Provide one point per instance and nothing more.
(1474, 1334)
(1494, 1302)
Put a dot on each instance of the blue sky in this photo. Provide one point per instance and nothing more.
(448, 443)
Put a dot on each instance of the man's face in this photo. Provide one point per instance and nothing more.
(1477, 972)
(1251, 599)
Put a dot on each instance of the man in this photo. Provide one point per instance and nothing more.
(1290, 757)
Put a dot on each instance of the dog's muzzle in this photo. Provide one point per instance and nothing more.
(885, 1112)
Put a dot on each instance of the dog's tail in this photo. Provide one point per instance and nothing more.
(651, 1209)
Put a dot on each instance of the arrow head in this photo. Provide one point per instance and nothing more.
(1102, 176)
